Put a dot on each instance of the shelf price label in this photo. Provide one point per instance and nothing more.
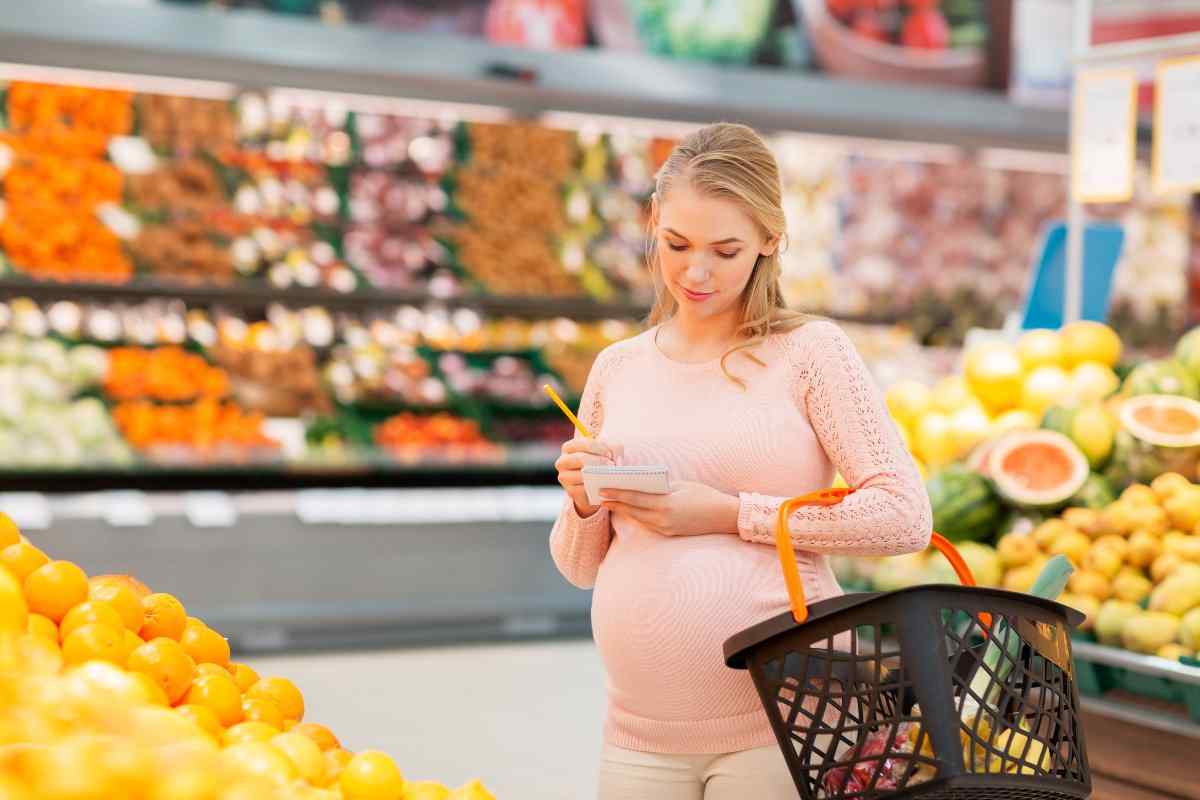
(127, 509)
(210, 510)
(1177, 126)
(1104, 135)
(29, 510)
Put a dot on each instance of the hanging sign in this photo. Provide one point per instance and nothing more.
(1177, 126)
(1104, 135)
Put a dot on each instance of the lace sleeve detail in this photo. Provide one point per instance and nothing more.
(578, 544)
(889, 511)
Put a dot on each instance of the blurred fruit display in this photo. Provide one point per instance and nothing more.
(113, 691)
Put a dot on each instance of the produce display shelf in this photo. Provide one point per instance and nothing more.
(1101, 669)
(202, 45)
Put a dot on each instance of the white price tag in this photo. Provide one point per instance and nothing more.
(127, 509)
(1177, 126)
(210, 509)
(29, 510)
(1104, 135)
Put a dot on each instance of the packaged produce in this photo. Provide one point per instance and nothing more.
(206, 431)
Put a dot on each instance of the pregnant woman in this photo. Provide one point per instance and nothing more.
(748, 404)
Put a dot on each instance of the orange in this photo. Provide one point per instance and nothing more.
(260, 709)
(283, 692)
(55, 588)
(260, 758)
(211, 669)
(164, 662)
(9, 532)
(371, 775)
(21, 559)
(14, 612)
(243, 676)
(94, 641)
(128, 581)
(44, 627)
(89, 611)
(121, 597)
(154, 693)
(336, 761)
(319, 734)
(165, 617)
(304, 754)
(132, 642)
(250, 732)
(203, 644)
(204, 718)
(218, 693)
(288, 724)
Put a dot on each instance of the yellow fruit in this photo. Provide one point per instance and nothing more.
(968, 427)
(1173, 652)
(323, 737)
(1094, 432)
(994, 373)
(261, 759)
(89, 611)
(908, 401)
(1119, 518)
(371, 775)
(94, 641)
(1092, 584)
(1152, 520)
(1111, 620)
(471, 791)
(952, 393)
(1139, 494)
(1186, 547)
(1072, 544)
(1143, 549)
(1177, 595)
(1084, 520)
(1131, 586)
(14, 613)
(1103, 561)
(283, 692)
(250, 732)
(336, 761)
(426, 790)
(165, 663)
(304, 754)
(1090, 341)
(1163, 566)
(1044, 387)
(218, 693)
(1016, 550)
(1183, 508)
(260, 709)
(121, 597)
(204, 718)
(203, 644)
(21, 559)
(1050, 531)
(1168, 484)
(1189, 630)
(39, 625)
(1087, 605)
(1041, 348)
(154, 693)
(1016, 419)
(243, 676)
(1119, 545)
(1021, 579)
(165, 617)
(9, 532)
(55, 588)
(933, 440)
(1149, 630)
(1092, 382)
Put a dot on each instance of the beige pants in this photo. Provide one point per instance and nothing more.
(759, 774)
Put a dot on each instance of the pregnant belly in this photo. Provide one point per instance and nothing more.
(661, 612)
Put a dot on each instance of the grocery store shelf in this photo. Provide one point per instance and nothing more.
(1146, 665)
(1143, 717)
(258, 295)
(257, 49)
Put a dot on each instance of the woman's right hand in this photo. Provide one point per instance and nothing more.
(577, 454)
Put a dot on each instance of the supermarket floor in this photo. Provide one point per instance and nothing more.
(525, 718)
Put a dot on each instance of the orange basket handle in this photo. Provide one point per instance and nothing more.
(831, 497)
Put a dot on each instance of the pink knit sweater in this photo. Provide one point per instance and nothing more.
(663, 606)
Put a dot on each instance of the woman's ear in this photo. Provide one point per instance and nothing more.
(770, 246)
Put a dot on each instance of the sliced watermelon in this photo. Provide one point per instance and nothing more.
(1037, 469)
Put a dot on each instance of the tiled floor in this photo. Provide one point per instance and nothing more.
(526, 719)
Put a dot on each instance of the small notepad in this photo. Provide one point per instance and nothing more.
(652, 480)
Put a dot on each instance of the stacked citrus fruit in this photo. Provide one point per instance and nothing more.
(108, 689)
(1005, 387)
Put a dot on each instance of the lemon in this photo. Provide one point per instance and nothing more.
(908, 401)
(1041, 348)
(1017, 419)
(994, 373)
(952, 393)
(1093, 431)
(1092, 381)
(968, 427)
(933, 441)
(1091, 341)
(1044, 387)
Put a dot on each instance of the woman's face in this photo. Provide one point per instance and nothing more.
(707, 248)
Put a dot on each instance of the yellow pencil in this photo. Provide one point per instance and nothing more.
(558, 402)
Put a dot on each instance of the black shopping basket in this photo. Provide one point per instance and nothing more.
(897, 694)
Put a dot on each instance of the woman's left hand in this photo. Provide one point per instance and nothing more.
(689, 509)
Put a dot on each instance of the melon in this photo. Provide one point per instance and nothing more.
(1159, 434)
(1037, 469)
(964, 506)
(1089, 426)
(1164, 376)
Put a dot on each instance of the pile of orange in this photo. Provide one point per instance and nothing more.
(202, 428)
(170, 374)
(98, 675)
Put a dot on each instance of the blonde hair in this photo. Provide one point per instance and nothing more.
(732, 161)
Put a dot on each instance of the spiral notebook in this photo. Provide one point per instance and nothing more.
(652, 480)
